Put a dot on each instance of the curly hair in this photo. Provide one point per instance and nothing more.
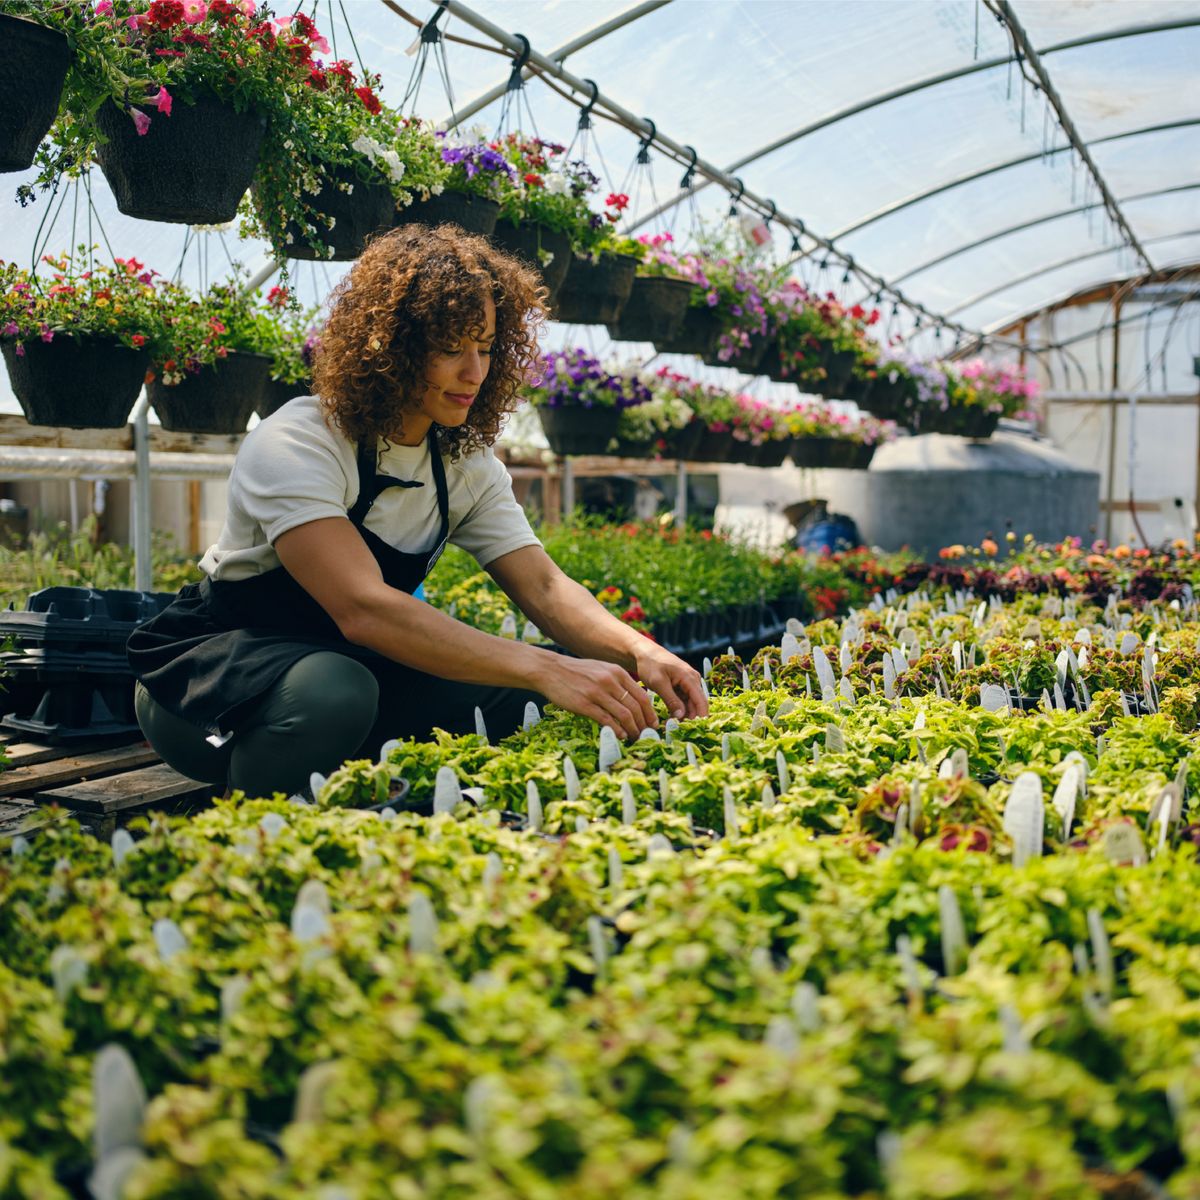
(413, 292)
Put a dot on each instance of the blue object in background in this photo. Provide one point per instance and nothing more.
(419, 594)
(827, 534)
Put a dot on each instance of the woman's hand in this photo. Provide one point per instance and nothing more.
(671, 678)
(606, 693)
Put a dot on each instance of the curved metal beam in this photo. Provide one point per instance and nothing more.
(1008, 232)
(899, 205)
(921, 85)
(1066, 262)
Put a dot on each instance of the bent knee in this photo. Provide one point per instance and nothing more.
(323, 691)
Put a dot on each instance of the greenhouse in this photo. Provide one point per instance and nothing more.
(600, 599)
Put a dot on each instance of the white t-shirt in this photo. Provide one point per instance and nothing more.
(294, 468)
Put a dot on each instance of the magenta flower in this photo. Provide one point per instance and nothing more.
(194, 11)
(141, 121)
(104, 8)
(163, 102)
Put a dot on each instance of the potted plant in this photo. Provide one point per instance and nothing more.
(579, 400)
(36, 57)
(659, 296)
(296, 337)
(741, 288)
(77, 344)
(174, 100)
(546, 213)
(211, 377)
(820, 437)
(452, 177)
(600, 280)
(659, 427)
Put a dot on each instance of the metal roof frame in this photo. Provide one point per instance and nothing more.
(1046, 270)
(1012, 229)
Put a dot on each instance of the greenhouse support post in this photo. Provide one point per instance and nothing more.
(681, 496)
(140, 515)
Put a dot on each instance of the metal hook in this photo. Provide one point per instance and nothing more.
(643, 154)
(771, 215)
(585, 113)
(734, 202)
(429, 31)
(690, 174)
(515, 82)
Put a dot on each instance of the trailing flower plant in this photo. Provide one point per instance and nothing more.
(548, 188)
(575, 378)
(296, 337)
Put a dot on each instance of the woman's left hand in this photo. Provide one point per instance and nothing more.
(672, 679)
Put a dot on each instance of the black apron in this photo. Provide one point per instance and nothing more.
(221, 644)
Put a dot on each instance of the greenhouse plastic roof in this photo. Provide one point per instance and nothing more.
(897, 128)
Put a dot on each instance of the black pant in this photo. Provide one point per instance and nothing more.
(325, 709)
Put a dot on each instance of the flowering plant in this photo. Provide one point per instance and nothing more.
(1000, 385)
(121, 301)
(666, 412)
(810, 326)
(296, 337)
(811, 420)
(467, 162)
(575, 378)
(547, 188)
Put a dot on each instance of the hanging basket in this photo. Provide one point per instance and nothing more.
(594, 293)
(356, 216)
(885, 398)
(76, 383)
(745, 359)
(839, 366)
(973, 422)
(684, 442)
(192, 167)
(573, 429)
(473, 214)
(772, 453)
(275, 394)
(713, 446)
(831, 453)
(697, 334)
(217, 399)
(32, 69)
(655, 309)
(540, 246)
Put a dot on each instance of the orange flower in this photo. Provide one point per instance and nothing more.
(1121, 551)
(989, 547)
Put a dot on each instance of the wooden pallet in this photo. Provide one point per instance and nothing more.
(102, 786)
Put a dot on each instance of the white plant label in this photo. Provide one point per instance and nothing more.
(610, 750)
(532, 716)
(628, 804)
(768, 677)
(845, 658)
(691, 754)
(168, 939)
(508, 626)
(957, 651)
(706, 667)
(616, 870)
(422, 925)
(795, 627)
(780, 1036)
(68, 969)
(119, 1101)
(781, 771)
(846, 691)
(660, 846)
(992, 697)
(480, 724)
(1025, 818)
(493, 870)
(789, 648)
(533, 806)
(122, 845)
(899, 661)
(446, 791)
(1101, 953)
(732, 825)
(725, 747)
(954, 934)
(889, 678)
(1129, 643)
(571, 776)
(804, 1007)
(1065, 796)
(835, 742)
(1083, 637)
(1123, 845)
(745, 680)
(759, 721)
(768, 796)
(959, 765)
(598, 943)
(531, 633)
(824, 673)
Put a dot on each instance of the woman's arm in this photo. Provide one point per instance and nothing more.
(330, 560)
(574, 618)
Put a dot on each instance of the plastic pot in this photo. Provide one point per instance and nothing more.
(32, 70)
(535, 242)
(217, 399)
(276, 393)
(191, 167)
(472, 214)
(697, 334)
(594, 293)
(356, 215)
(655, 309)
(572, 429)
(79, 383)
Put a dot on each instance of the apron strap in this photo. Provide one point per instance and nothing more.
(439, 481)
(371, 484)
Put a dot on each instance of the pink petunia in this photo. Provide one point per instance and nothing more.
(163, 102)
(194, 11)
(247, 7)
(104, 8)
(132, 21)
(141, 121)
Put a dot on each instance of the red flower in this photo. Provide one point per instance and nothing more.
(277, 297)
(344, 71)
(317, 79)
(533, 180)
(138, 339)
(222, 11)
(162, 14)
(617, 200)
(369, 99)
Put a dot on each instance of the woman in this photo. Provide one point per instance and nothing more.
(303, 645)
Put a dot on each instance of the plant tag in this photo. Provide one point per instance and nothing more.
(889, 678)
(628, 804)
(581, 824)
(422, 924)
(20, 846)
(616, 870)
(533, 806)
(1123, 845)
(493, 870)
(508, 626)
(732, 825)
(992, 697)
(691, 753)
(659, 846)
(704, 689)
(768, 796)
(807, 685)
(118, 1102)
(670, 728)
(725, 747)
(846, 692)
(68, 969)
(1046, 703)
(272, 824)
(914, 807)
(1061, 665)
(980, 612)
(649, 735)
(910, 639)
(1016, 1041)
(780, 1037)
(899, 661)
(531, 633)
(1065, 796)
(781, 772)
(959, 765)
(759, 721)
(1060, 701)
(706, 667)
(316, 784)
(571, 777)
(745, 680)
(768, 676)
(908, 965)
(1025, 818)
(824, 673)
(1031, 631)
(795, 627)
(168, 939)
(1083, 637)
(946, 769)
(532, 716)
(233, 990)
(1101, 953)
(310, 1092)
(957, 651)
(122, 846)
(446, 791)
(835, 743)
(804, 1007)
(480, 724)
(664, 789)
(610, 750)
(1181, 777)
(845, 658)
(919, 721)
(954, 934)
(901, 826)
